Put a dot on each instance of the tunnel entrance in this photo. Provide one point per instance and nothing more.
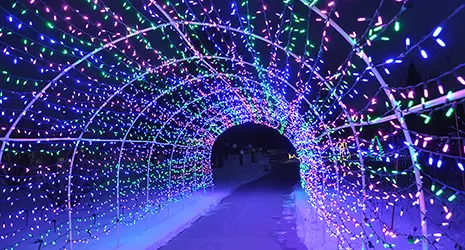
(259, 212)
(252, 144)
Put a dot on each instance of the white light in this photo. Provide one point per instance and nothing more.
(441, 42)
(424, 54)
(437, 31)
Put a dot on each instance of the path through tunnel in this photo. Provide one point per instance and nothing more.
(259, 214)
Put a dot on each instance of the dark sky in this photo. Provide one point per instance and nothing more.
(254, 134)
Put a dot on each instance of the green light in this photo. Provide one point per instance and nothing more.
(433, 187)
(427, 118)
(451, 198)
(438, 193)
(50, 25)
(449, 112)
(377, 28)
(450, 95)
(397, 26)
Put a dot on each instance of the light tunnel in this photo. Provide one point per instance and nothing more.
(110, 112)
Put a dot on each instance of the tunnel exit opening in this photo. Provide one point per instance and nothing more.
(252, 145)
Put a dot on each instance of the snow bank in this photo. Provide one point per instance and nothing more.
(310, 229)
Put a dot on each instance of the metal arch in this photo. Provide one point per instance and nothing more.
(174, 145)
(241, 77)
(30, 104)
(357, 141)
(201, 128)
(151, 150)
(54, 80)
(36, 97)
(397, 113)
(417, 108)
(166, 122)
(147, 106)
(98, 111)
(196, 78)
(143, 31)
(188, 42)
(150, 156)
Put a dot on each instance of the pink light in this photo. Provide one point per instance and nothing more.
(461, 80)
(448, 215)
(380, 21)
(445, 148)
(441, 89)
(410, 94)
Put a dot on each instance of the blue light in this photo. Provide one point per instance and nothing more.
(437, 31)
(460, 165)
(424, 54)
(439, 164)
(441, 42)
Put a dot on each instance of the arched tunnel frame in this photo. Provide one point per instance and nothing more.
(397, 112)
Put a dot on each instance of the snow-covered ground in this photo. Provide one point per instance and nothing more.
(156, 229)
(406, 222)
(310, 229)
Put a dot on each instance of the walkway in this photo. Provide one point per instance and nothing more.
(256, 216)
